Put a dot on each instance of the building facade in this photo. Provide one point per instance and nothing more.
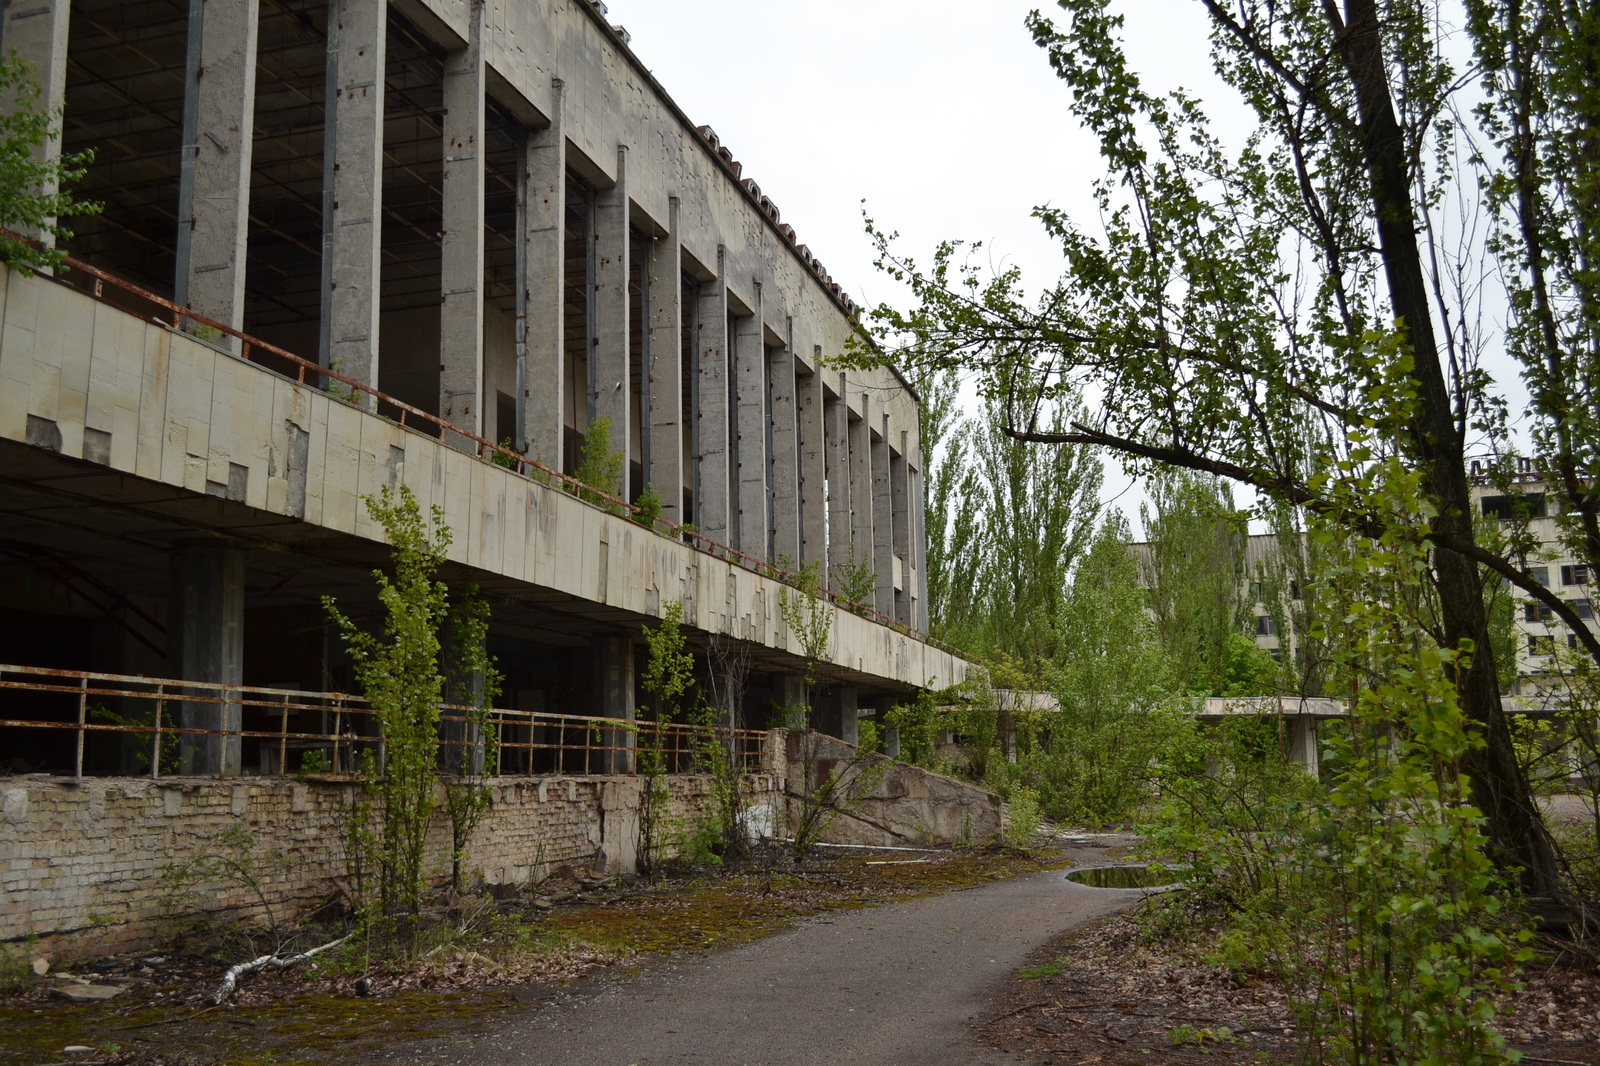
(490, 226)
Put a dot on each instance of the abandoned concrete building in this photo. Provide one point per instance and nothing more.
(355, 243)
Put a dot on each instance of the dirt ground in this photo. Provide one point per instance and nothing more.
(1099, 994)
(569, 934)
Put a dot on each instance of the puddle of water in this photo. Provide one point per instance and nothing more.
(1124, 877)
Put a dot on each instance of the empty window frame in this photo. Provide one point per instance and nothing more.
(1540, 575)
(1536, 612)
(1541, 644)
(1575, 575)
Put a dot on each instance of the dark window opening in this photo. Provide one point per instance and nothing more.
(1530, 504)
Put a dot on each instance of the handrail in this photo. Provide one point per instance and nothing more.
(485, 447)
(612, 739)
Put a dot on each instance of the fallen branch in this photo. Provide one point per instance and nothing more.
(230, 980)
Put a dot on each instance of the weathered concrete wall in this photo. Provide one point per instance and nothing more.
(174, 410)
(81, 862)
(897, 804)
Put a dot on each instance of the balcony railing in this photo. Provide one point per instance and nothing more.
(121, 719)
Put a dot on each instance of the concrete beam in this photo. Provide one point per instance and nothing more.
(544, 384)
(813, 468)
(37, 32)
(712, 446)
(205, 642)
(214, 162)
(785, 460)
(882, 521)
(750, 442)
(352, 217)
(664, 380)
(611, 359)
(461, 249)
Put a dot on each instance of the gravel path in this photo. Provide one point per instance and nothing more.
(887, 985)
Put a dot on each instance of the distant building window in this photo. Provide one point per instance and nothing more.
(1265, 626)
(1276, 653)
(1585, 608)
(1294, 590)
(1540, 575)
(1507, 507)
(1536, 612)
(1255, 591)
(1574, 575)
(1572, 640)
(1541, 645)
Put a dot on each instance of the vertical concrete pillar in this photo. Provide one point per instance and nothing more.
(37, 32)
(882, 520)
(461, 248)
(750, 445)
(791, 699)
(614, 664)
(919, 544)
(543, 387)
(891, 741)
(1302, 729)
(461, 749)
(712, 448)
(611, 361)
(859, 551)
(785, 460)
(836, 431)
(352, 216)
(205, 642)
(664, 380)
(849, 714)
(900, 523)
(813, 466)
(214, 161)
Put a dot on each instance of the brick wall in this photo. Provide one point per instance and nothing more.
(81, 862)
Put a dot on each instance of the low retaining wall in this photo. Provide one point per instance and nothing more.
(895, 804)
(81, 861)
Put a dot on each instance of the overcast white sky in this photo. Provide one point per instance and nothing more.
(941, 114)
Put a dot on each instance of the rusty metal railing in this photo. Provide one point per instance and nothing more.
(485, 449)
(524, 743)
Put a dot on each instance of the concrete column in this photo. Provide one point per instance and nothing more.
(543, 355)
(214, 163)
(37, 32)
(1302, 729)
(882, 521)
(352, 217)
(836, 433)
(919, 544)
(462, 748)
(859, 550)
(611, 361)
(785, 459)
(712, 452)
(205, 642)
(791, 699)
(664, 380)
(614, 664)
(891, 741)
(461, 249)
(849, 724)
(900, 518)
(813, 467)
(750, 445)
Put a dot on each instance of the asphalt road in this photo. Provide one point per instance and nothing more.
(888, 985)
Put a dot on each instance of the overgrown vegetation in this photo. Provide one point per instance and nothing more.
(33, 195)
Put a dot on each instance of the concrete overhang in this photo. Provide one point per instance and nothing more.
(131, 430)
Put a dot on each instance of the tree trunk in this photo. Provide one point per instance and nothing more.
(1516, 831)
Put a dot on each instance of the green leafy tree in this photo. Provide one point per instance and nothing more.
(33, 197)
(599, 467)
(401, 678)
(1224, 314)
(1117, 711)
(469, 760)
(669, 682)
